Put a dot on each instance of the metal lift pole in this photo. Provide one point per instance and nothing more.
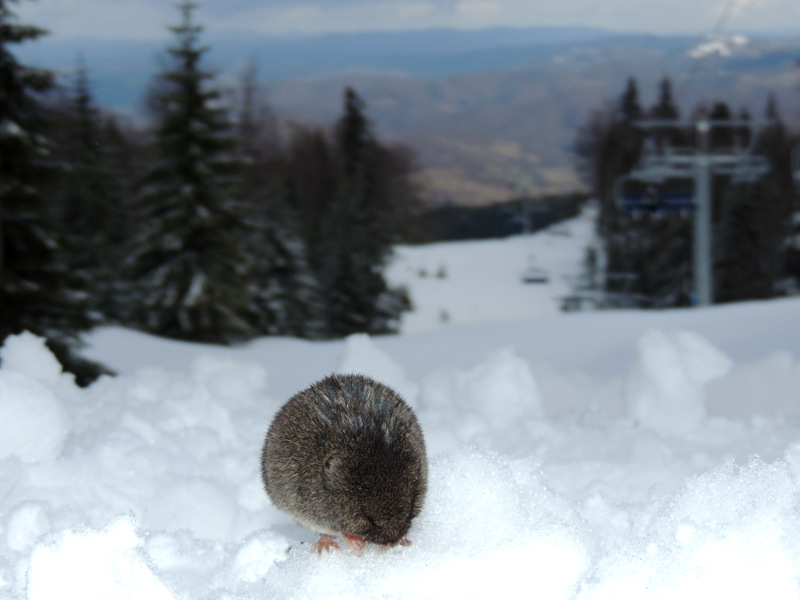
(698, 166)
(702, 251)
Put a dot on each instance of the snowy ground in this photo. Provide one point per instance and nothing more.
(613, 455)
(481, 281)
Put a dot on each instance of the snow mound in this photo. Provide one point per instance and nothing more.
(26, 523)
(94, 565)
(27, 354)
(33, 423)
(363, 357)
(733, 532)
(666, 388)
(497, 395)
(774, 381)
(147, 485)
(488, 529)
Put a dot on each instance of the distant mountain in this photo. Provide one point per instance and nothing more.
(121, 69)
(488, 111)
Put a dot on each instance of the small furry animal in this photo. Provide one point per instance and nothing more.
(347, 456)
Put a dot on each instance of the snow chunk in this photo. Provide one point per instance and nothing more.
(94, 565)
(363, 357)
(27, 523)
(28, 354)
(501, 391)
(257, 556)
(731, 532)
(33, 423)
(774, 381)
(665, 389)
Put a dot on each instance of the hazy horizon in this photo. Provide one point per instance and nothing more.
(149, 19)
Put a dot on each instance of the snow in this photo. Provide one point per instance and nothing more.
(478, 282)
(612, 455)
(666, 389)
(94, 565)
(721, 45)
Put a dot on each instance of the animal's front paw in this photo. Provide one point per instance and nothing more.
(325, 544)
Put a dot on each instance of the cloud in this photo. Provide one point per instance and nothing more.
(148, 19)
(334, 16)
(478, 9)
(415, 10)
(739, 7)
(100, 19)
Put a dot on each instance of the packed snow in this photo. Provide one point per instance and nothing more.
(607, 455)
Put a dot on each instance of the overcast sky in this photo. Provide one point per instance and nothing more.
(147, 19)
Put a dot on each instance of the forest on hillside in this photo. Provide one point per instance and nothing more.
(209, 225)
(217, 222)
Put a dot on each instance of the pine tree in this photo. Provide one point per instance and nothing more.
(311, 181)
(35, 294)
(721, 137)
(358, 235)
(287, 299)
(89, 193)
(629, 107)
(608, 146)
(665, 109)
(190, 271)
(647, 258)
(755, 229)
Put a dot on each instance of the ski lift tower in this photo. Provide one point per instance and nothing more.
(681, 179)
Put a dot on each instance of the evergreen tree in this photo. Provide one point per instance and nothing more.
(190, 271)
(311, 181)
(665, 109)
(721, 136)
(755, 228)
(286, 300)
(258, 126)
(89, 194)
(608, 146)
(358, 233)
(629, 107)
(647, 258)
(35, 294)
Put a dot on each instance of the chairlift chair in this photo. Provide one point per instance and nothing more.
(644, 193)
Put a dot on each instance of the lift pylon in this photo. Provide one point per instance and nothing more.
(681, 179)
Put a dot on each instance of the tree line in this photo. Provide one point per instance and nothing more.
(212, 224)
(648, 257)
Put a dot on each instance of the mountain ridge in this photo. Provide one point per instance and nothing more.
(489, 113)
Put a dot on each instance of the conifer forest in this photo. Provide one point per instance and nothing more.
(212, 223)
(206, 226)
(754, 226)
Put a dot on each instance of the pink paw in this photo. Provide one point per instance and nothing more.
(324, 544)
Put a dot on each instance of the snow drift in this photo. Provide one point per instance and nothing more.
(595, 456)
